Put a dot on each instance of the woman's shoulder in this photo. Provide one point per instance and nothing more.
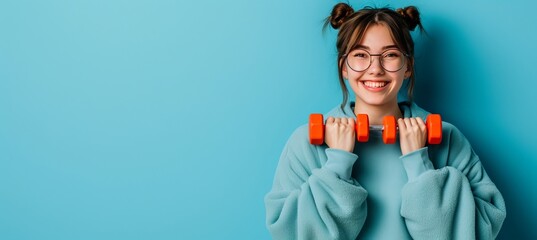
(300, 134)
(300, 153)
(299, 140)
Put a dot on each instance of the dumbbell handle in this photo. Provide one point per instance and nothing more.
(376, 127)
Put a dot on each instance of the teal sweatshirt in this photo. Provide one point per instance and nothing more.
(436, 192)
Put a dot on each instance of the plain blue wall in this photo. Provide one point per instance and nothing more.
(165, 119)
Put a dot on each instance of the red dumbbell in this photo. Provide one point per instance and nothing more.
(388, 128)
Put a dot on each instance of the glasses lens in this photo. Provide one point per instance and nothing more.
(392, 60)
(358, 60)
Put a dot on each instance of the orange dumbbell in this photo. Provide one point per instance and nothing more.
(388, 128)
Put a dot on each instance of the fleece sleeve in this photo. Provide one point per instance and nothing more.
(314, 200)
(456, 201)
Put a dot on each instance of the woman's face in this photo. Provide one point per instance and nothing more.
(375, 86)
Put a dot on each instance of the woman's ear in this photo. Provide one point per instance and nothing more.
(409, 68)
(343, 69)
(408, 73)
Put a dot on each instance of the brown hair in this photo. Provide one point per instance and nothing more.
(352, 26)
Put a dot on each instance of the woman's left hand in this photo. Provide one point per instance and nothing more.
(412, 134)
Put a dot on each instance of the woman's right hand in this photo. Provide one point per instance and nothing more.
(340, 133)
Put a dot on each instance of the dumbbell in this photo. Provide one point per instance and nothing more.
(389, 128)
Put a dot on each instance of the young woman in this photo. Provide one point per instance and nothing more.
(346, 189)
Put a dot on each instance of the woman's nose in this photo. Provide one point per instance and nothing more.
(376, 66)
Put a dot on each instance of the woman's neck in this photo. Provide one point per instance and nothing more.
(376, 113)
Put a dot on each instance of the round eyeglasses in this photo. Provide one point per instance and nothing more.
(391, 60)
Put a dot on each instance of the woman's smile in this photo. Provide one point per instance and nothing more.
(375, 86)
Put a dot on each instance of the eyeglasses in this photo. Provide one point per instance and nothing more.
(391, 60)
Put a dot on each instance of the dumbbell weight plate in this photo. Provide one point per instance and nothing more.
(362, 128)
(434, 129)
(390, 130)
(316, 126)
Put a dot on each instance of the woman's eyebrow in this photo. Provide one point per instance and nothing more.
(389, 47)
(383, 48)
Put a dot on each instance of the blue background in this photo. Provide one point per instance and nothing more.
(165, 119)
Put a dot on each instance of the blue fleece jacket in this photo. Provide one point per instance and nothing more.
(437, 192)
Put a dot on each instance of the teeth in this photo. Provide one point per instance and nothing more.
(375, 84)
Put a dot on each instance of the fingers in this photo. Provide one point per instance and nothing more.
(414, 125)
(346, 121)
(421, 124)
(340, 133)
(412, 134)
(411, 124)
(401, 124)
(351, 121)
(342, 121)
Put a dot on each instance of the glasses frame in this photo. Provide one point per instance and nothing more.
(380, 59)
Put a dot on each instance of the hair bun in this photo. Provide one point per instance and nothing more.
(340, 13)
(411, 16)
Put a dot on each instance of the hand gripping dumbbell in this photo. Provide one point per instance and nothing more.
(389, 129)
